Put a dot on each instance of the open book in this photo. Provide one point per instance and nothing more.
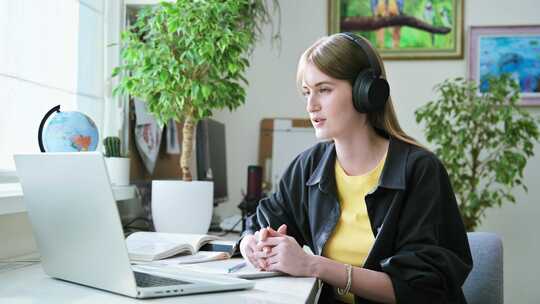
(151, 246)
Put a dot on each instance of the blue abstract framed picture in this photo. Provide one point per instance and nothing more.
(495, 50)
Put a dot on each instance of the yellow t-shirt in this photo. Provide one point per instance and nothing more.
(352, 238)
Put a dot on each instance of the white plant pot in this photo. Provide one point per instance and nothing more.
(118, 169)
(182, 207)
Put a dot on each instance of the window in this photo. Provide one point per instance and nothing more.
(52, 53)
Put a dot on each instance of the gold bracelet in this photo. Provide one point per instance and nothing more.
(345, 291)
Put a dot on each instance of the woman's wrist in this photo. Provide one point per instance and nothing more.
(314, 266)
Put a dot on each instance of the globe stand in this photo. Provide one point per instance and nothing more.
(42, 124)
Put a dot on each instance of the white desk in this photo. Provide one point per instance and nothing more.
(31, 285)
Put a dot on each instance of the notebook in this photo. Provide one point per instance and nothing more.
(221, 267)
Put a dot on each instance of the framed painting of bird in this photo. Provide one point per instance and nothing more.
(514, 50)
(403, 29)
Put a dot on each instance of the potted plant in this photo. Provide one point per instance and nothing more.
(185, 59)
(117, 165)
(484, 140)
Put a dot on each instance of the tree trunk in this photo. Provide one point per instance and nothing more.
(362, 23)
(187, 147)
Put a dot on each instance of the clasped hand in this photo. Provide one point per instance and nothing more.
(272, 250)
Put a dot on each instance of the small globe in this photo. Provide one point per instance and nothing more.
(70, 132)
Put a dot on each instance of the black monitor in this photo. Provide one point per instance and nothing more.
(212, 157)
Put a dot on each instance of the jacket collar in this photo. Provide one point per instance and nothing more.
(392, 177)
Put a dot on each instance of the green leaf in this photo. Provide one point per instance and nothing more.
(206, 91)
(163, 76)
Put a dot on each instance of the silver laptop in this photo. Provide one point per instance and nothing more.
(79, 235)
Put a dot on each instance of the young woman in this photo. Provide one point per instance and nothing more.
(375, 207)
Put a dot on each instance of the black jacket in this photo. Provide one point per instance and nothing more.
(420, 240)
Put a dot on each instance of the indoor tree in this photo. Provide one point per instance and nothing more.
(484, 140)
(188, 57)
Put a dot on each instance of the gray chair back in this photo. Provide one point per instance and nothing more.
(484, 285)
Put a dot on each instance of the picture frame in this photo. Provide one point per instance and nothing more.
(427, 29)
(507, 49)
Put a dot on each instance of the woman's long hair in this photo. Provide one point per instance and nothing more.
(340, 58)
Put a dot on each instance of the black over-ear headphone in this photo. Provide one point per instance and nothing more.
(370, 91)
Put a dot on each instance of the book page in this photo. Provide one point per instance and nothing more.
(195, 240)
(148, 248)
(199, 257)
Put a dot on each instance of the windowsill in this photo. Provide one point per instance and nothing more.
(11, 197)
(10, 190)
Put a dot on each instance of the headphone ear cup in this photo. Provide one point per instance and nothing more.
(370, 93)
(361, 91)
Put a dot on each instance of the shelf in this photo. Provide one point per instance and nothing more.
(11, 197)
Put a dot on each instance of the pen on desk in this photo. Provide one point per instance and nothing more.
(237, 267)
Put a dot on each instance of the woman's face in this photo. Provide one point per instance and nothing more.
(329, 104)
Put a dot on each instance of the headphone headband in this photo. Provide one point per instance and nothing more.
(368, 51)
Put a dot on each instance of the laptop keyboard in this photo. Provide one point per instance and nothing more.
(148, 280)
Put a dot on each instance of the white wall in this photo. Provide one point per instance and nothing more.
(272, 93)
(51, 52)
